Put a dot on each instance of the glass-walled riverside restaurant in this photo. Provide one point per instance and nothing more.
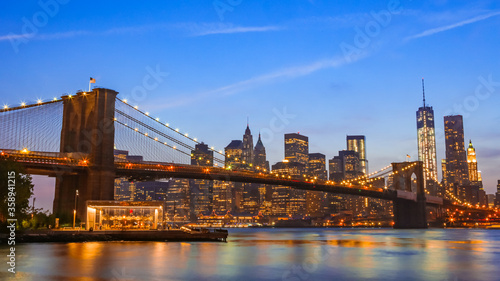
(124, 215)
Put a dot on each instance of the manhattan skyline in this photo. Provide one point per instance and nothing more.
(261, 60)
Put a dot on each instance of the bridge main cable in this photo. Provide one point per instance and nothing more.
(167, 126)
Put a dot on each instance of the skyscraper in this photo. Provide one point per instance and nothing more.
(297, 148)
(259, 156)
(247, 153)
(201, 189)
(497, 195)
(316, 200)
(426, 139)
(456, 157)
(345, 166)
(358, 144)
(316, 166)
(472, 163)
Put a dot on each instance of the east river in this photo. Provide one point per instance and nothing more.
(274, 254)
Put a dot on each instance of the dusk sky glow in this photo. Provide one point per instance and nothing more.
(337, 69)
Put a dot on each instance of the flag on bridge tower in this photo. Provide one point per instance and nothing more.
(92, 81)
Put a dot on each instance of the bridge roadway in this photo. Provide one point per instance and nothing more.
(56, 164)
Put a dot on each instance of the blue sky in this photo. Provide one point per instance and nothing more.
(339, 68)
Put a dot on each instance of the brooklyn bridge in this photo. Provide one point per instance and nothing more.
(73, 138)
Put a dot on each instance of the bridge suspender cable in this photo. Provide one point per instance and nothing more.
(169, 127)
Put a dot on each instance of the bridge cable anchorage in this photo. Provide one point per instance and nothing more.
(167, 125)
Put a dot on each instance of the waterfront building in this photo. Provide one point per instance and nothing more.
(119, 215)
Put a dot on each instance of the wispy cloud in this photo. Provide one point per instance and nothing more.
(286, 73)
(452, 26)
(223, 28)
(190, 29)
(13, 36)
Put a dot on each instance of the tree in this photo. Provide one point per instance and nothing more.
(14, 182)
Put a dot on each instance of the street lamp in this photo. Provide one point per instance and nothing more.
(74, 210)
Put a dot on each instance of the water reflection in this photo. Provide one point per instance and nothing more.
(276, 254)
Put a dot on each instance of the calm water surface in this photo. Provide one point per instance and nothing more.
(275, 254)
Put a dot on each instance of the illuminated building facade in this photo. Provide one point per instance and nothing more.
(201, 197)
(426, 139)
(286, 200)
(358, 144)
(297, 148)
(260, 163)
(497, 195)
(316, 201)
(178, 205)
(222, 196)
(247, 152)
(345, 166)
(202, 155)
(444, 173)
(456, 158)
(234, 154)
(472, 163)
(126, 190)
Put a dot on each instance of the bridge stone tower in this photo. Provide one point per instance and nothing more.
(409, 213)
(88, 127)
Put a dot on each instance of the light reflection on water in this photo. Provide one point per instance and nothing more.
(275, 254)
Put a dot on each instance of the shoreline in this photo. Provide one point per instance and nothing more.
(67, 236)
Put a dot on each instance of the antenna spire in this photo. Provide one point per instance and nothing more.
(423, 90)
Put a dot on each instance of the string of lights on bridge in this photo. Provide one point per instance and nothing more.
(167, 125)
(368, 178)
(40, 102)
